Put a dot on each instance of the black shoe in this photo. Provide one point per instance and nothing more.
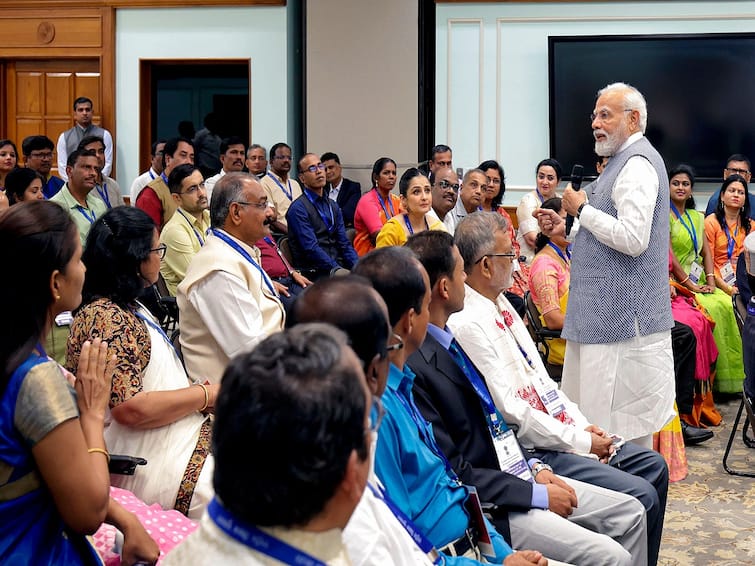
(694, 435)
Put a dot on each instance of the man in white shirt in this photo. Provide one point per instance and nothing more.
(69, 140)
(445, 192)
(232, 153)
(281, 189)
(227, 303)
(156, 167)
(299, 399)
(470, 198)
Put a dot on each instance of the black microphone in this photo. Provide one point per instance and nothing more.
(576, 183)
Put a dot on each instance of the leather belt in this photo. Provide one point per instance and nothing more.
(461, 545)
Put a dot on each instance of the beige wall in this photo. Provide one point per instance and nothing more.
(362, 67)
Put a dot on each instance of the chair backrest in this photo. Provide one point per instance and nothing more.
(740, 310)
(541, 335)
(285, 249)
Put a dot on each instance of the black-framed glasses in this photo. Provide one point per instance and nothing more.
(315, 168)
(43, 155)
(448, 185)
(260, 205)
(160, 250)
(397, 346)
(510, 255)
(376, 413)
(194, 188)
(735, 171)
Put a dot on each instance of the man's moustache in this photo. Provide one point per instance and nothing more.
(267, 222)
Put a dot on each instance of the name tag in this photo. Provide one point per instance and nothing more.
(510, 457)
(515, 265)
(695, 271)
(727, 274)
(64, 319)
(548, 395)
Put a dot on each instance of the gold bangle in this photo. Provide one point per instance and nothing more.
(100, 451)
(683, 281)
(206, 396)
(710, 274)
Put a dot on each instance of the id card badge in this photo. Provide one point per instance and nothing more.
(64, 319)
(484, 542)
(510, 457)
(727, 274)
(695, 271)
(515, 265)
(548, 395)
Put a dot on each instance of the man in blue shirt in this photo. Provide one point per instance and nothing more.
(317, 235)
(737, 164)
(413, 470)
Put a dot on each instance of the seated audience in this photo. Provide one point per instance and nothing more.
(377, 206)
(726, 230)
(185, 233)
(155, 198)
(499, 345)
(256, 160)
(156, 167)
(54, 459)
(445, 192)
(547, 176)
(737, 164)
(8, 160)
(38, 156)
(24, 184)
(316, 232)
(693, 269)
(106, 187)
(492, 202)
(344, 192)
(232, 157)
(227, 303)
(292, 509)
(157, 413)
(280, 188)
(76, 195)
(553, 514)
(417, 477)
(473, 186)
(416, 201)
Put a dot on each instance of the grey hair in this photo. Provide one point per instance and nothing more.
(227, 190)
(256, 146)
(633, 100)
(475, 235)
(469, 172)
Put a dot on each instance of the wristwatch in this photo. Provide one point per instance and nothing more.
(539, 467)
(581, 206)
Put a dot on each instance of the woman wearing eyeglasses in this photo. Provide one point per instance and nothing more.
(157, 413)
(547, 176)
(376, 206)
(416, 200)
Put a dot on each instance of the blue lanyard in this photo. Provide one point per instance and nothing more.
(495, 420)
(196, 232)
(151, 323)
(417, 536)
(247, 257)
(382, 204)
(729, 239)
(289, 193)
(151, 174)
(409, 224)
(539, 195)
(566, 257)
(690, 228)
(83, 212)
(258, 540)
(328, 225)
(102, 191)
(164, 177)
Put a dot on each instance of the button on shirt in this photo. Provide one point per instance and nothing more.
(415, 478)
(83, 217)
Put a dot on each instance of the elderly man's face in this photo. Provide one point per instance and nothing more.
(445, 191)
(612, 123)
(255, 214)
(472, 190)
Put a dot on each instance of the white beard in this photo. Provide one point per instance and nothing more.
(612, 143)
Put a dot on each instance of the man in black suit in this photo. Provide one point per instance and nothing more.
(345, 192)
(471, 432)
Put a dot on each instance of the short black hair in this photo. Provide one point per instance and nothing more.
(739, 157)
(177, 176)
(296, 400)
(328, 155)
(395, 274)
(434, 249)
(35, 143)
(349, 303)
(73, 157)
(153, 151)
(86, 140)
(82, 100)
(171, 146)
(117, 244)
(225, 143)
(436, 149)
(277, 146)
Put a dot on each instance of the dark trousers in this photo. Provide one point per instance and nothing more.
(293, 290)
(684, 346)
(635, 470)
(748, 343)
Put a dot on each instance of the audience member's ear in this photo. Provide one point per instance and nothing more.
(176, 197)
(355, 477)
(442, 288)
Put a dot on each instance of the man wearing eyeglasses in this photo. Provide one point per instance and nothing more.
(227, 303)
(445, 192)
(281, 189)
(737, 164)
(38, 155)
(232, 153)
(316, 232)
(470, 198)
(185, 233)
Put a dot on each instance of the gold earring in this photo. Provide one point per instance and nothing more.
(57, 297)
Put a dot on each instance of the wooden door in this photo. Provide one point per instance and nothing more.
(41, 94)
